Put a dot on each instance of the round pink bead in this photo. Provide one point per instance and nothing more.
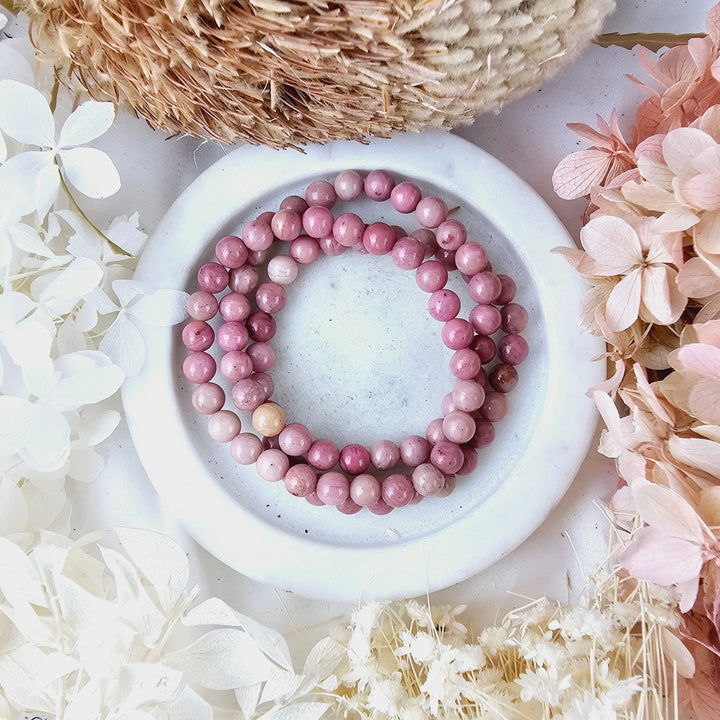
(295, 203)
(484, 287)
(458, 426)
(380, 508)
(348, 229)
(272, 465)
(468, 395)
(405, 197)
(208, 398)
(197, 335)
(365, 490)
(223, 426)
(295, 439)
(414, 450)
(471, 258)
(447, 457)
(378, 238)
(509, 288)
(231, 252)
(261, 326)
(484, 434)
(485, 319)
(513, 349)
(304, 250)
(262, 356)
(212, 277)
(431, 276)
(514, 318)
(434, 433)
(427, 239)
(323, 454)
(265, 382)
(495, 406)
(320, 193)
(504, 378)
(257, 235)
(348, 507)
(465, 364)
(427, 480)
(398, 232)
(450, 235)
(333, 488)
(286, 225)
(470, 462)
(457, 333)
(431, 211)
(313, 499)
(397, 490)
(378, 185)
(282, 269)
(247, 394)
(270, 442)
(348, 185)
(446, 257)
(235, 307)
(443, 305)
(265, 217)
(300, 480)
(449, 486)
(407, 253)
(447, 404)
(384, 454)
(202, 305)
(330, 246)
(317, 221)
(244, 280)
(232, 336)
(199, 367)
(256, 258)
(236, 365)
(245, 448)
(354, 459)
(270, 297)
(484, 346)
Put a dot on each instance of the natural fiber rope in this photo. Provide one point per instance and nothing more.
(285, 72)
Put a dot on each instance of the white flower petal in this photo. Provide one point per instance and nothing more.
(660, 294)
(27, 239)
(91, 171)
(23, 182)
(46, 191)
(125, 232)
(87, 388)
(88, 121)
(14, 306)
(75, 281)
(127, 290)
(28, 341)
(85, 465)
(124, 345)
(16, 416)
(47, 442)
(161, 308)
(13, 508)
(623, 304)
(25, 114)
(97, 425)
(38, 376)
(612, 243)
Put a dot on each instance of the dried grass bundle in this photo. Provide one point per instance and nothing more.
(289, 72)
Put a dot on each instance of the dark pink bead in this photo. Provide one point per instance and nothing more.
(484, 287)
(348, 229)
(485, 319)
(458, 426)
(398, 490)
(495, 406)
(333, 488)
(330, 246)
(244, 280)
(378, 185)
(323, 454)
(484, 347)
(513, 349)
(261, 326)
(286, 225)
(320, 193)
(317, 221)
(265, 217)
(450, 234)
(427, 480)
(313, 499)
(365, 489)
(447, 457)
(348, 507)
(236, 365)
(354, 459)
(434, 433)
(380, 508)
(457, 333)
(398, 232)
(431, 211)
(304, 250)
(470, 462)
(446, 257)
(294, 203)
(199, 367)
(197, 335)
(449, 486)
(256, 258)
(235, 307)
(348, 185)
(385, 454)
(431, 276)
(414, 450)
(257, 235)
(378, 238)
(443, 305)
(503, 378)
(212, 277)
(231, 252)
(262, 356)
(247, 394)
(265, 381)
(300, 480)
(232, 336)
(407, 253)
(270, 297)
(508, 291)
(465, 364)
(484, 434)
(471, 258)
(405, 196)
(295, 439)
(514, 318)
(427, 239)
(270, 442)
(202, 305)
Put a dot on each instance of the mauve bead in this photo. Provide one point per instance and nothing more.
(427, 239)
(320, 193)
(384, 454)
(465, 364)
(495, 406)
(197, 335)
(471, 258)
(398, 232)
(268, 420)
(266, 383)
(514, 318)
(365, 490)
(232, 336)
(247, 394)
(470, 462)
(257, 235)
(231, 252)
(313, 499)
(485, 319)
(286, 225)
(447, 457)
(457, 333)
(317, 221)
(512, 349)
(245, 448)
(354, 459)
(414, 450)
(446, 258)
(223, 426)
(378, 238)
(434, 433)
(449, 486)
(348, 229)
(348, 507)
(300, 480)
(443, 305)
(244, 280)
(295, 439)
(450, 235)
(484, 434)
(265, 217)
(330, 246)
(447, 404)
(378, 185)
(509, 288)
(348, 185)
(212, 277)
(208, 398)
(360, 249)
(468, 395)
(282, 269)
(431, 211)
(235, 307)
(199, 367)
(333, 488)
(380, 508)
(202, 305)
(431, 276)
(484, 346)
(295, 203)
(261, 326)
(304, 250)
(270, 297)
(236, 365)
(458, 426)
(256, 258)
(323, 454)
(270, 442)
(484, 287)
(407, 253)
(427, 480)
(405, 196)
(503, 378)
(272, 465)
(397, 490)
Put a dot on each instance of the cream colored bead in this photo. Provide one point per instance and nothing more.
(268, 419)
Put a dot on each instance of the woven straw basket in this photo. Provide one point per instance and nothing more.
(286, 72)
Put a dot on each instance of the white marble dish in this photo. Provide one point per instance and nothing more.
(360, 359)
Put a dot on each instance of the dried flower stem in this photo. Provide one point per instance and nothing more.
(652, 41)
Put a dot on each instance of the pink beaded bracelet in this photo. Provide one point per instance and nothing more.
(317, 469)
